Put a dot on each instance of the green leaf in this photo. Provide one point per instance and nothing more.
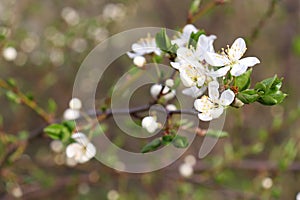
(194, 37)
(243, 81)
(217, 133)
(71, 125)
(13, 97)
(272, 98)
(167, 139)
(153, 145)
(58, 132)
(248, 96)
(164, 42)
(11, 82)
(180, 141)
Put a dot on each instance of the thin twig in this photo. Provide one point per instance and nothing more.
(268, 14)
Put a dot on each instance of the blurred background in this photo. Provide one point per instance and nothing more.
(42, 45)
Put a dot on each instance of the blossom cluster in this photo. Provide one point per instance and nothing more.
(200, 68)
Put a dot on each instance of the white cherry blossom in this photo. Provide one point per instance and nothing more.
(212, 106)
(82, 150)
(231, 59)
(150, 124)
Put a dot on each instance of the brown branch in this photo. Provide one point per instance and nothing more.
(268, 14)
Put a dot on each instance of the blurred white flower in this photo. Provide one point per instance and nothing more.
(71, 114)
(82, 150)
(70, 16)
(150, 124)
(139, 61)
(83, 188)
(213, 106)
(75, 104)
(17, 192)
(267, 183)
(169, 82)
(56, 146)
(184, 37)
(9, 53)
(231, 59)
(167, 93)
(186, 170)
(114, 11)
(171, 107)
(190, 159)
(79, 45)
(144, 46)
(113, 195)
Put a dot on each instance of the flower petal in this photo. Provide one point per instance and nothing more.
(216, 60)
(80, 138)
(90, 150)
(202, 104)
(189, 29)
(220, 72)
(213, 90)
(205, 116)
(188, 56)
(73, 149)
(175, 65)
(238, 69)
(227, 97)
(237, 49)
(249, 61)
(217, 112)
(194, 91)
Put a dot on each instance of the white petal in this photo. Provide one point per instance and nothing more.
(188, 56)
(249, 61)
(217, 112)
(213, 90)
(150, 124)
(175, 65)
(155, 90)
(80, 138)
(170, 95)
(194, 91)
(186, 80)
(189, 29)
(220, 72)
(204, 45)
(138, 48)
(205, 116)
(227, 97)
(90, 150)
(237, 49)
(203, 104)
(73, 149)
(201, 80)
(132, 55)
(216, 60)
(238, 69)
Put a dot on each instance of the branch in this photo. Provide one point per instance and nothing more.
(268, 14)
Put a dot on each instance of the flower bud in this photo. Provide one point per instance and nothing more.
(139, 61)
(149, 123)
